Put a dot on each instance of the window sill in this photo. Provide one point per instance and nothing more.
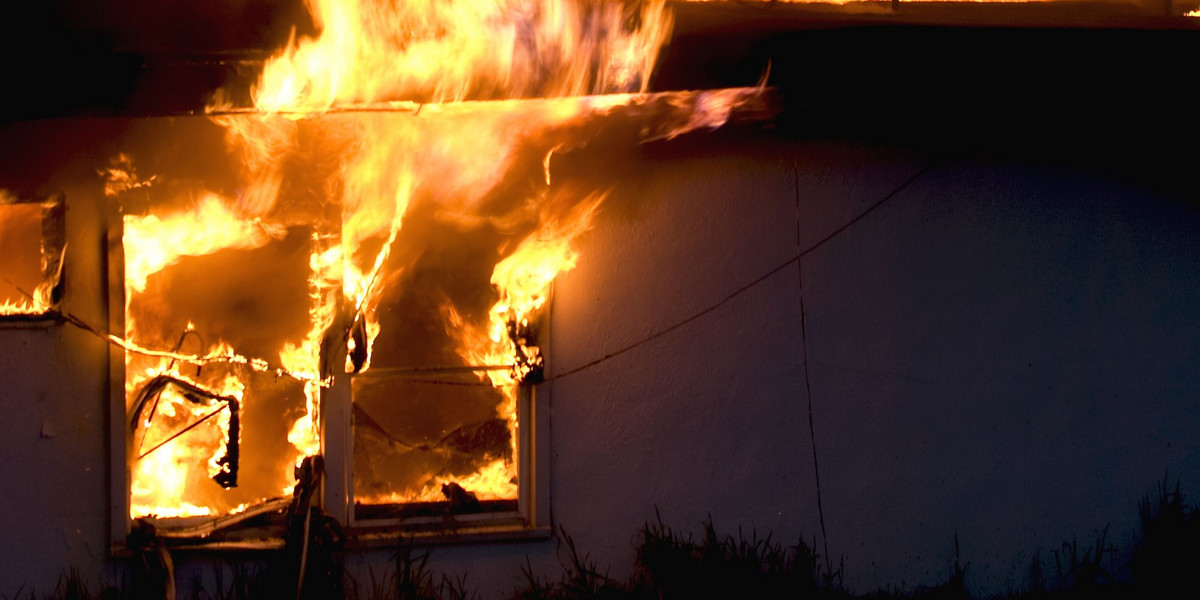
(463, 533)
(264, 528)
(44, 320)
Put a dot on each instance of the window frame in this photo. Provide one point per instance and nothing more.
(531, 519)
(53, 235)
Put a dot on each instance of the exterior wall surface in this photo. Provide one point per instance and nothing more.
(1002, 352)
(53, 377)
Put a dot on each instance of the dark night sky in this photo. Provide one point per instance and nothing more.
(150, 26)
(66, 57)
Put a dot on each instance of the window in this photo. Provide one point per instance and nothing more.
(31, 242)
(252, 338)
(368, 286)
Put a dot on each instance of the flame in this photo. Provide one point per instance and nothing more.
(152, 243)
(168, 473)
(161, 477)
(121, 176)
(434, 51)
(30, 271)
(304, 358)
(493, 481)
(400, 128)
(841, 2)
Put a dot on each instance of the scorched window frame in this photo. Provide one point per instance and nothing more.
(52, 256)
(530, 519)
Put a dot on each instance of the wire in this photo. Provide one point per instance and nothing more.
(734, 294)
(256, 364)
(812, 433)
(745, 288)
(157, 397)
(175, 435)
(741, 290)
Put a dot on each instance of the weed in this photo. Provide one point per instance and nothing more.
(672, 564)
(413, 579)
(955, 587)
(535, 588)
(455, 588)
(380, 587)
(1169, 552)
(1037, 576)
(1084, 570)
(247, 582)
(581, 577)
(17, 594)
(675, 566)
(71, 586)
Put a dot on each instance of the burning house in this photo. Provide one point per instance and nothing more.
(882, 276)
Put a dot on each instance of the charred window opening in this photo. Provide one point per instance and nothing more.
(241, 326)
(32, 244)
(210, 425)
(390, 325)
(361, 276)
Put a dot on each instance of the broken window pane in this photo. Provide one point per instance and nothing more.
(391, 262)
(411, 438)
(210, 431)
(423, 418)
(31, 248)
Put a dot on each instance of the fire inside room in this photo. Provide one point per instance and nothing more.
(296, 270)
(368, 246)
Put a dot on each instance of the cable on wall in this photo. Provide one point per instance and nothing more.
(812, 433)
(747, 287)
(73, 320)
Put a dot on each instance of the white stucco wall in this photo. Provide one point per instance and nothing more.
(1004, 351)
(53, 378)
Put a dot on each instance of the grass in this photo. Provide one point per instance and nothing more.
(1168, 555)
(677, 566)
(581, 577)
(247, 581)
(670, 563)
(409, 578)
(71, 586)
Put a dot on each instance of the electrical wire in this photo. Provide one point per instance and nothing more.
(812, 433)
(751, 285)
(262, 365)
(256, 364)
(725, 300)
(189, 427)
(157, 397)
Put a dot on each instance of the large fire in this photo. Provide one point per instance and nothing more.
(394, 215)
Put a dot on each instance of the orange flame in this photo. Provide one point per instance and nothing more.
(432, 51)
(153, 242)
(25, 287)
(511, 82)
(166, 470)
(160, 478)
